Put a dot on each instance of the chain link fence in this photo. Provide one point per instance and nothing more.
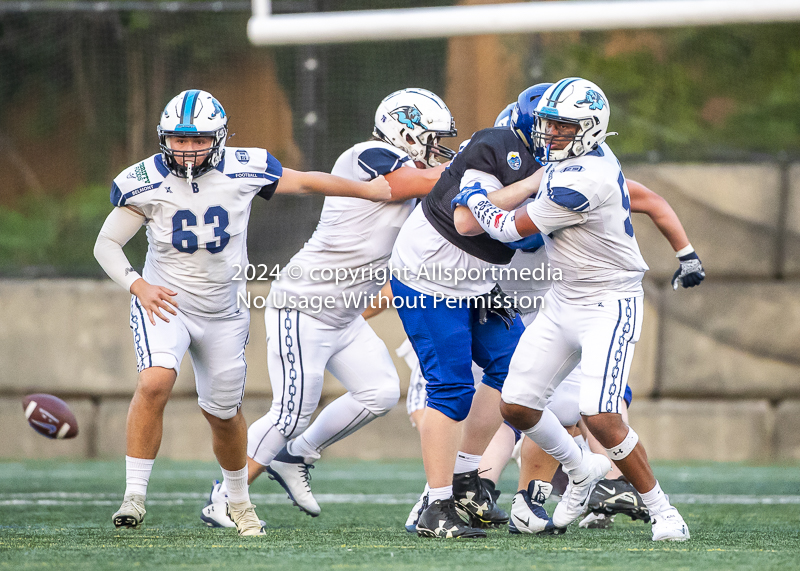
(82, 85)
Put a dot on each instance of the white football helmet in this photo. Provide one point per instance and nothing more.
(571, 100)
(414, 120)
(193, 113)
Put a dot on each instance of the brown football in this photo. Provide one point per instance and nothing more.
(50, 416)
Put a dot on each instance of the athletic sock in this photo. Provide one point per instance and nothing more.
(264, 441)
(338, 420)
(236, 484)
(137, 475)
(300, 446)
(466, 463)
(443, 493)
(655, 500)
(556, 441)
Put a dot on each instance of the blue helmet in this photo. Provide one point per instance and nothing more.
(505, 116)
(522, 117)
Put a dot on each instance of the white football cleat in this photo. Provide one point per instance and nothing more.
(574, 502)
(291, 472)
(131, 512)
(668, 525)
(416, 511)
(215, 512)
(527, 510)
(245, 518)
(597, 521)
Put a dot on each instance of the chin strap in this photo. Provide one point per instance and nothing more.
(189, 175)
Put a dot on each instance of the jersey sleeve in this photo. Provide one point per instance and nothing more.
(255, 168)
(484, 180)
(568, 194)
(549, 216)
(133, 185)
(275, 169)
(378, 161)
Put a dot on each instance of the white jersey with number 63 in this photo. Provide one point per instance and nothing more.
(197, 233)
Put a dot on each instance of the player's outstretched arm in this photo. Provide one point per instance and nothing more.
(299, 182)
(120, 226)
(643, 200)
(507, 198)
(410, 183)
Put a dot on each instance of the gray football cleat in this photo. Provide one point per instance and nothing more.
(131, 512)
(245, 518)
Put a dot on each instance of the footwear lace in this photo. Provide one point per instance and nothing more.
(422, 506)
(305, 474)
(131, 503)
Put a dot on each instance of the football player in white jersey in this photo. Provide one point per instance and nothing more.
(536, 467)
(354, 239)
(592, 317)
(194, 197)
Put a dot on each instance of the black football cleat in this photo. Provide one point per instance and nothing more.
(440, 519)
(475, 502)
(618, 496)
(491, 488)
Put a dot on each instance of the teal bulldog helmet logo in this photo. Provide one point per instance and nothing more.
(593, 99)
(408, 116)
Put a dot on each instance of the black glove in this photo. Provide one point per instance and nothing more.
(690, 273)
(497, 302)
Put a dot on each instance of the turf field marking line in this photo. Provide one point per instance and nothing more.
(179, 498)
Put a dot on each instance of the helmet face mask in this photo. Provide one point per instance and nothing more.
(192, 114)
(572, 101)
(415, 120)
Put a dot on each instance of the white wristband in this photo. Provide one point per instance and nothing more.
(497, 223)
(684, 251)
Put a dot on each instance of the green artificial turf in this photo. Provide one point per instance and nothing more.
(57, 515)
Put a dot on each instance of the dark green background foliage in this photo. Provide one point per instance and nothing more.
(658, 95)
(730, 92)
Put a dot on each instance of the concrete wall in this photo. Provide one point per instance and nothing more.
(716, 373)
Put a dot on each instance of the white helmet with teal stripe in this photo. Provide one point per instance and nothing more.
(193, 113)
(415, 120)
(576, 101)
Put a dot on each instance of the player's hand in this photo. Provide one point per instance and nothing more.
(528, 243)
(379, 190)
(463, 196)
(155, 298)
(690, 273)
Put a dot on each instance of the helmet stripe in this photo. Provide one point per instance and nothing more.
(562, 85)
(189, 102)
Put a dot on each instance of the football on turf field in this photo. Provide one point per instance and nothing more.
(50, 416)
